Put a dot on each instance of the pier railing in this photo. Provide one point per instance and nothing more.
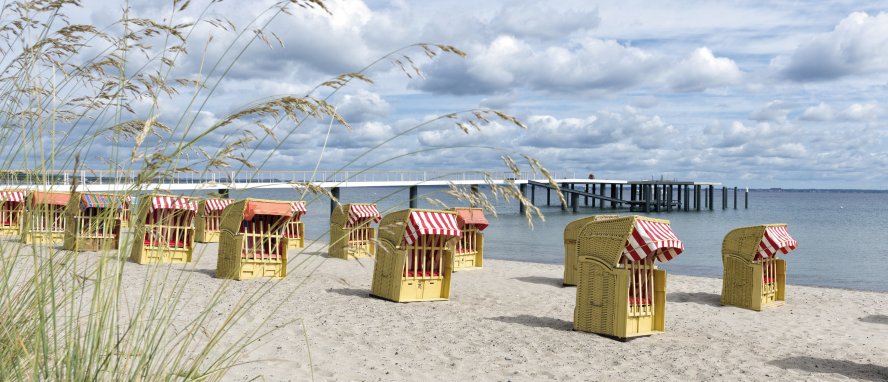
(101, 177)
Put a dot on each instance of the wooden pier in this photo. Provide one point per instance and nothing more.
(640, 196)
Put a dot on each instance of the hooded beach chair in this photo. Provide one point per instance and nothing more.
(620, 292)
(12, 208)
(351, 230)
(93, 222)
(469, 251)
(252, 241)
(208, 222)
(295, 231)
(126, 213)
(44, 220)
(570, 245)
(754, 278)
(164, 230)
(414, 259)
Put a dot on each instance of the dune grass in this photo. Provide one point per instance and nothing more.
(70, 90)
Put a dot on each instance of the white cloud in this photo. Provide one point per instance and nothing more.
(821, 112)
(857, 45)
(860, 112)
(703, 70)
(774, 111)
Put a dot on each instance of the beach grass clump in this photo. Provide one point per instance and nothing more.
(88, 98)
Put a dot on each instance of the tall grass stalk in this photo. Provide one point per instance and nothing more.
(70, 90)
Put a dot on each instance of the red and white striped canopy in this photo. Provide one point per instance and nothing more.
(217, 204)
(651, 238)
(297, 209)
(430, 223)
(360, 212)
(12, 196)
(775, 239)
(172, 203)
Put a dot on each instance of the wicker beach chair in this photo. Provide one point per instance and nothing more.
(469, 251)
(352, 234)
(44, 220)
(208, 222)
(570, 245)
(414, 258)
(295, 231)
(126, 213)
(92, 222)
(252, 242)
(12, 208)
(754, 278)
(164, 230)
(620, 292)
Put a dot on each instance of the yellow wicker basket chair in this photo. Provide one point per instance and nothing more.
(570, 245)
(209, 219)
(620, 292)
(93, 222)
(295, 231)
(12, 208)
(44, 220)
(414, 257)
(252, 242)
(164, 230)
(754, 278)
(126, 213)
(352, 234)
(469, 251)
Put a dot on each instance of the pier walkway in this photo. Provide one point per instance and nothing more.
(644, 196)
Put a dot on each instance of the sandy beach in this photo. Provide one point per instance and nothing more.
(512, 321)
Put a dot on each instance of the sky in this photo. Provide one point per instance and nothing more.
(748, 93)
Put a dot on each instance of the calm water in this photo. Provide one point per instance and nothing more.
(841, 235)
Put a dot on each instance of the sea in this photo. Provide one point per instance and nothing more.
(842, 234)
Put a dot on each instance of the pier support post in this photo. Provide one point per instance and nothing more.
(669, 198)
(602, 193)
(735, 198)
(414, 193)
(621, 195)
(613, 196)
(548, 196)
(523, 188)
(574, 201)
(724, 197)
(533, 194)
(594, 192)
(335, 199)
(697, 192)
(687, 195)
(587, 196)
(657, 198)
(224, 193)
(646, 190)
(746, 199)
(711, 196)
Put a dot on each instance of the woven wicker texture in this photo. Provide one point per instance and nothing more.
(616, 298)
(169, 240)
(748, 283)
(570, 245)
(44, 223)
(92, 229)
(469, 250)
(241, 253)
(351, 241)
(391, 278)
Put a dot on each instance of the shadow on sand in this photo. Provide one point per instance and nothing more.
(553, 281)
(850, 369)
(535, 321)
(355, 292)
(704, 298)
(875, 319)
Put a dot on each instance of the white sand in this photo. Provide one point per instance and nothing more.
(513, 320)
